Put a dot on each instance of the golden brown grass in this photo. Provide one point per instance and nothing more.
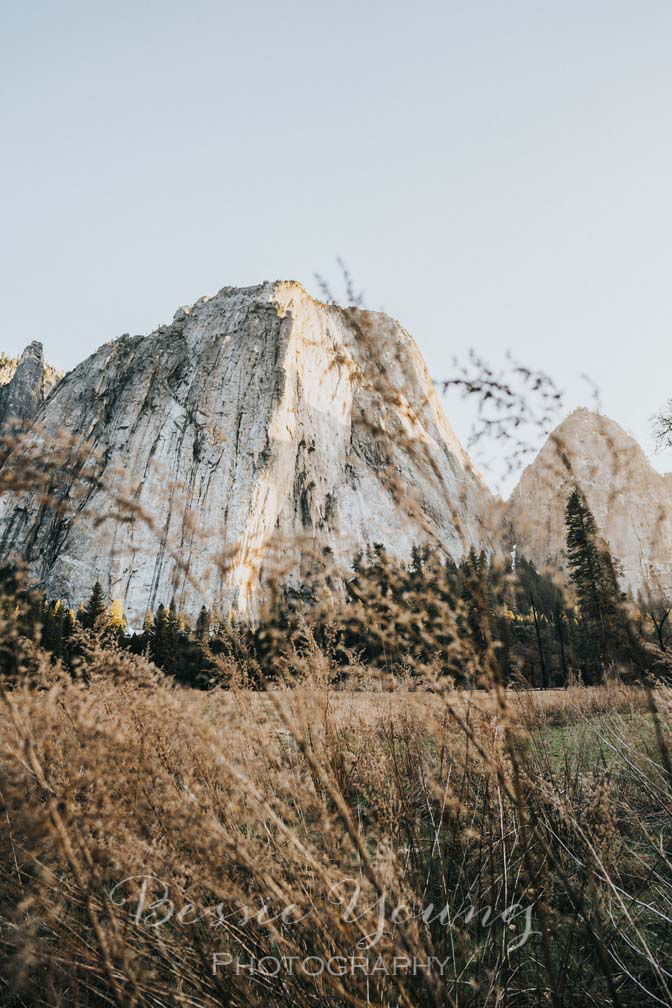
(244, 799)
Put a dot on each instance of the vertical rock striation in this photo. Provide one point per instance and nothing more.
(24, 384)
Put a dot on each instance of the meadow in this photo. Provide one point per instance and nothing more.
(319, 845)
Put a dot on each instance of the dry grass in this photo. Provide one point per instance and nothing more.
(243, 799)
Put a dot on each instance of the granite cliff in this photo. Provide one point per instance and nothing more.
(260, 432)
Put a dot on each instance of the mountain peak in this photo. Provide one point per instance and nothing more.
(25, 382)
(629, 499)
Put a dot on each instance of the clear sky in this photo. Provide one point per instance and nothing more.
(496, 175)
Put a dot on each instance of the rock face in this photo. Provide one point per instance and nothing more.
(631, 502)
(25, 382)
(260, 430)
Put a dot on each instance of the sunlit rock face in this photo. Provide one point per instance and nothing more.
(25, 382)
(631, 502)
(261, 433)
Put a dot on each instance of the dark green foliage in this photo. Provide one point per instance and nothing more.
(95, 607)
(456, 618)
(599, 598)
(52, 627)
(203, 625)
(540, 628)
(590, 564)
(159, 638)
(396, 615)
(429, 618)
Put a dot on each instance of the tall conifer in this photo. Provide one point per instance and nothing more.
(95, 607)
(593, 574)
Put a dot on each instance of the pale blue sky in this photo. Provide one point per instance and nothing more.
(496, 175)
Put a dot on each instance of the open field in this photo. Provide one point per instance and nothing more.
(551, 809)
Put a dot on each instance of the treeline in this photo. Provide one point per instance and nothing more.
(429, 617)
(187, 653)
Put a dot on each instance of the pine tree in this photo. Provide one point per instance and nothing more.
(173, 621)
(69, 623)
(173, 656)
(203, 625)
(160, 638)
(474, 595)
(594, 577)
(95, 607)
(52, 627)
(69, 636)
